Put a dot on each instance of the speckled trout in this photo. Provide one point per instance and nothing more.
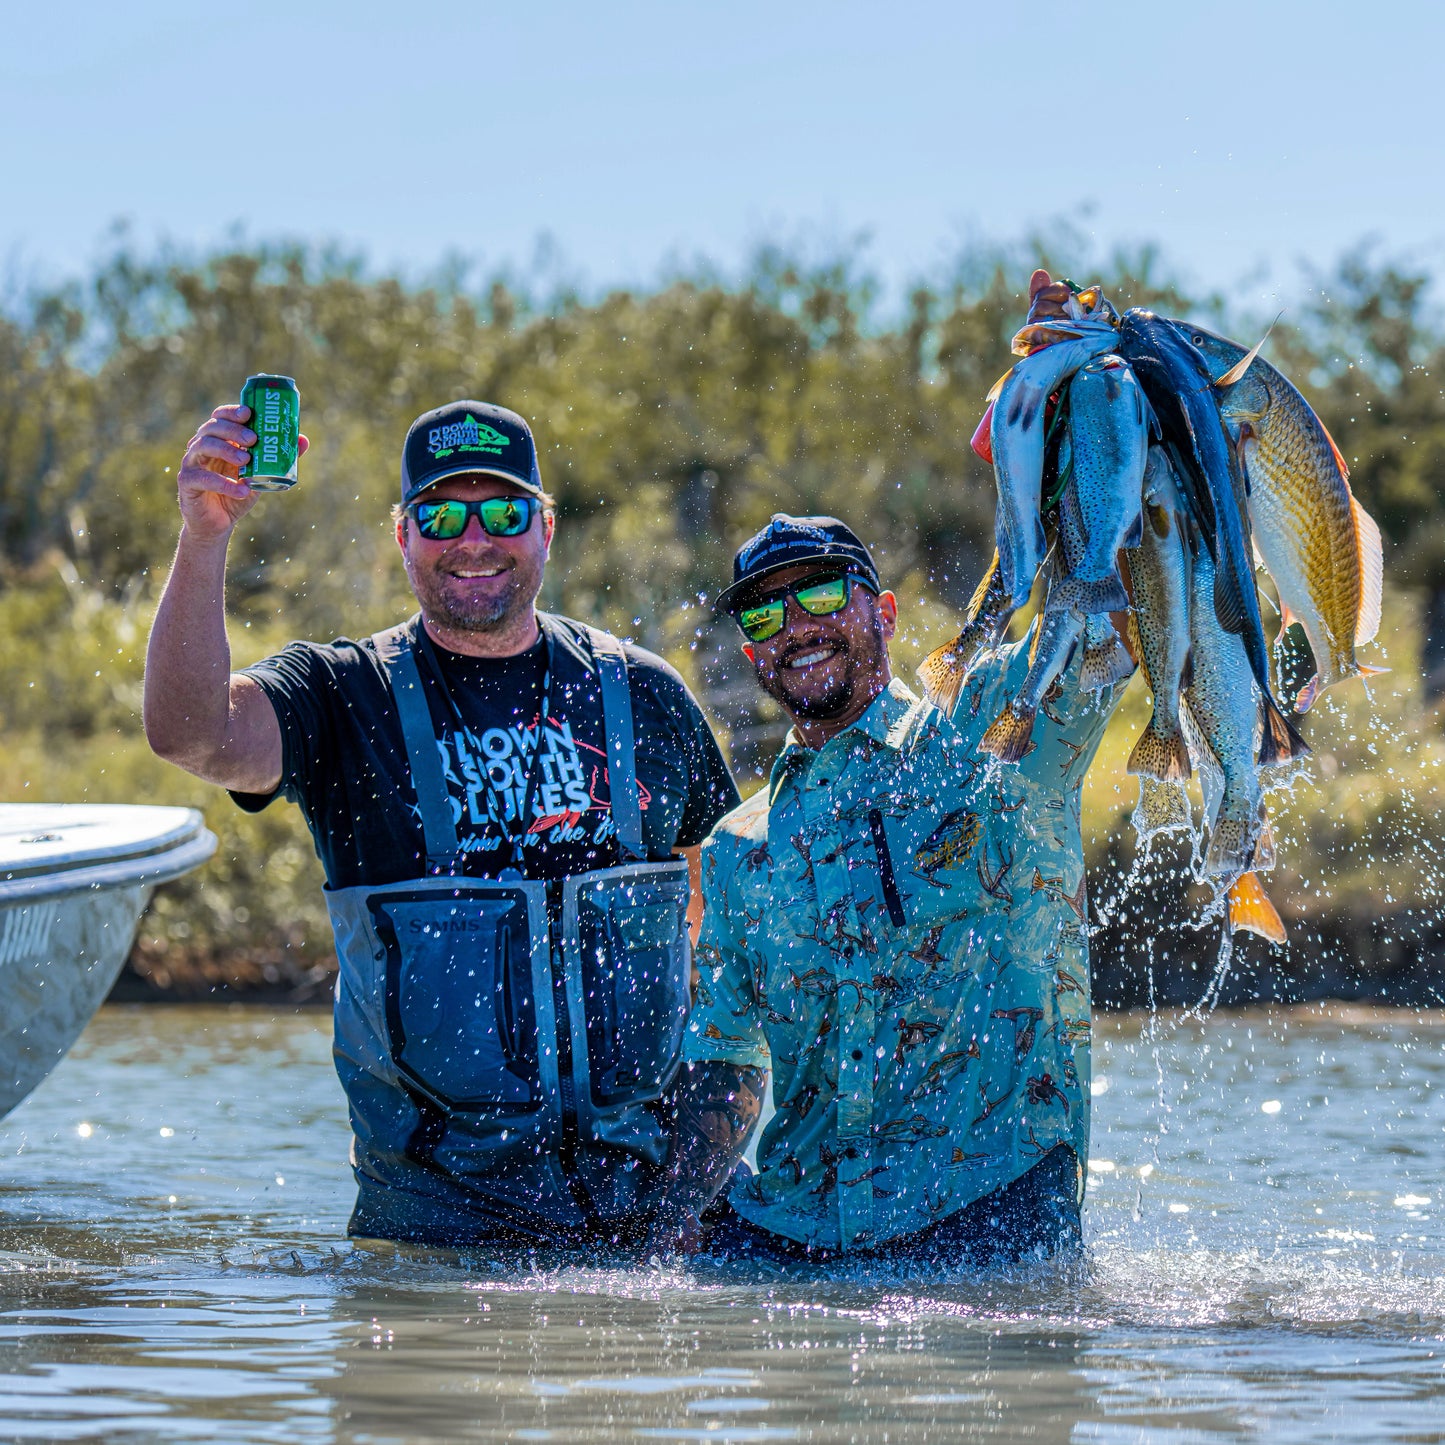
(1160, 570)
(1321, 547)
(1016, 440)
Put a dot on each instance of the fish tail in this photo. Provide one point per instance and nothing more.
(1161, 753)
(942, 673)
(1371, 565)
(1009, 734)
(1162, 807)
(1105, 664)
(1089, 597)
(1280, 742)
(1231, 848)
(1250, 909)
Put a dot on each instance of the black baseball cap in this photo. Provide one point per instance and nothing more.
(468, 438)
(788, 541)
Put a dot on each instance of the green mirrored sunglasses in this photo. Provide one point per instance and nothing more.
(818, 596)
(499, 516)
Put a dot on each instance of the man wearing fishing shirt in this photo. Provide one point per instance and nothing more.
(895, 926)
(498, 796)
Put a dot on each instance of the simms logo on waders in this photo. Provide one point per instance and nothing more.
(470, 435)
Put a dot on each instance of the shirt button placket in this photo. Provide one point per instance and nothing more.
(855, 1062)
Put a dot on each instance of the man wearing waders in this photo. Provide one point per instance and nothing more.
(895, 925)
(499, 798)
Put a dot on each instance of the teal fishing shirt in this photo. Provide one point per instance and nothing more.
(896, 927)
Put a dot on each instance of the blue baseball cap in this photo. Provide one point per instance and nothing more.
(468, 439)
(790, 541)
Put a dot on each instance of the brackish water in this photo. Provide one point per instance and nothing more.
(1266, 1261)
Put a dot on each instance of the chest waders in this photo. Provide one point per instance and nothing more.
(506, 1062)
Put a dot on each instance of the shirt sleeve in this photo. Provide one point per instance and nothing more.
(298, 684)
(1070, 722)
(724, 1024)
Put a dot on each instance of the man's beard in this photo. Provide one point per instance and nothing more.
(837, 699)
(443, 607)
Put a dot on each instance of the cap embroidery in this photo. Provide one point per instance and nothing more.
(470, 435)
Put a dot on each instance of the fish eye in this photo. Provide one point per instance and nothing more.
(1198, 339)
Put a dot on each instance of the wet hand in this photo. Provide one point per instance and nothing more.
(212, 496)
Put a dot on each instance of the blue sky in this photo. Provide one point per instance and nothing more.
(1243, 139)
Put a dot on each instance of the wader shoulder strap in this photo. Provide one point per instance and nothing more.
(621, 743)
(398, 658)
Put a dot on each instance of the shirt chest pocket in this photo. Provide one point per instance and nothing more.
(933, 866)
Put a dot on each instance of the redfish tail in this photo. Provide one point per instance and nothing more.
(1250, 910)
(1009, 734)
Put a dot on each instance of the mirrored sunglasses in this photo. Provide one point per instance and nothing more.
(500, 517)
(818, 596)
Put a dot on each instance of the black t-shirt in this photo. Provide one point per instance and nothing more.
(344, 758)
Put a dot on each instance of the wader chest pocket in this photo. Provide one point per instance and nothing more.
(634, 957)
(461, 1008)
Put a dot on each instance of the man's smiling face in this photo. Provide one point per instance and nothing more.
(475, 583)
(826, 667)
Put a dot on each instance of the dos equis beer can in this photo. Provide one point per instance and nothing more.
(276, 419)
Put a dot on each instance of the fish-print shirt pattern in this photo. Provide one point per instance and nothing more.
(896, 927)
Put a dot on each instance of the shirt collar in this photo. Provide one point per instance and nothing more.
(885, 721)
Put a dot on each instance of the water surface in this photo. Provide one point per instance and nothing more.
(1266, 1261)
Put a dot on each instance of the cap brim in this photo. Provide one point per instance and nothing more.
(531, 488)
(729, 596)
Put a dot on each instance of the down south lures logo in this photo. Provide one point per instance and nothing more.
(469, 435)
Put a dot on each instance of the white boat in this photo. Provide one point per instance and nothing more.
(74, 880)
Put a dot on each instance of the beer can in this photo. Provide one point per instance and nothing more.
(276, 419)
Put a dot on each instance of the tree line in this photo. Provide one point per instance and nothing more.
(671, 422)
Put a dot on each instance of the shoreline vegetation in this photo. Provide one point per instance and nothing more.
(671, 422)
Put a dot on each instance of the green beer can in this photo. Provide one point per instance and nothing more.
(276, 419)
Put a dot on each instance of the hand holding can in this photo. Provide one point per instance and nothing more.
(275, 405)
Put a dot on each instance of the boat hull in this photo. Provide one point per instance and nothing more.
(74, 881)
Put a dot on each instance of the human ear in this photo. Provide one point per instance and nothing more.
(887, 605)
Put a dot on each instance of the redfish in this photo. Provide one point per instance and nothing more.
(1321, 547)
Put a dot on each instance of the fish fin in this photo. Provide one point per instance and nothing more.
(942, 673)
(1287, 619)
(1279, 741)
(1264, 852)
(1107, 594)
(1340, 461)
(986, 584)
(1105, 664)
(1009, 734)
(1372, 573)
(1135, 535)
(1250, 910)
(1160, 754)
(982, 439)
(997, 387)
(1305, 698)
(1186, 673)
(1228, 599)
(1367, 671)
(1236, 372)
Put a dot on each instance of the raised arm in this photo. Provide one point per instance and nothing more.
(197, 715)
